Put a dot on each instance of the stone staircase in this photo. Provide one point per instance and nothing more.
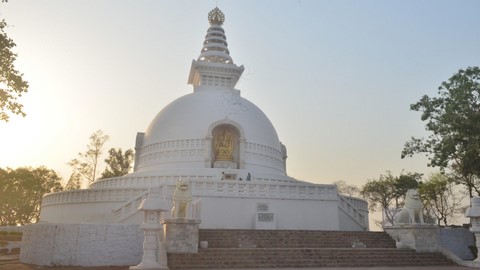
(229, 249)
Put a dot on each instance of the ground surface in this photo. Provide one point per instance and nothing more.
(10, 262)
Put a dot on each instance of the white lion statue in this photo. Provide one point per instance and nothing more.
(182, 197)
(413, 207)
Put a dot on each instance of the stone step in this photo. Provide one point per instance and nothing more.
(222, 258)
(293, 239)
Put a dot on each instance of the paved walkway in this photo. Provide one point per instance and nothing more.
(373, 268)
(19, 266)
(32, 267)
(10, 262)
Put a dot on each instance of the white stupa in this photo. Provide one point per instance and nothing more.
(229, 152)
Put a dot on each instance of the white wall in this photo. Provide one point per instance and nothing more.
(81, 244)
(346, 222)
(95, 212)
(239, 213)
(216, 213)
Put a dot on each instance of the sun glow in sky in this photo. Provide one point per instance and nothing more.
(336, 78)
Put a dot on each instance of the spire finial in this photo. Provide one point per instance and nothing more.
(216, 16)
(214, 67)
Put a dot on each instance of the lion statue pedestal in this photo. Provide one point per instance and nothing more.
(182, 200)
(410, 230)
(412, 211)
(181, 231)
(422, 238)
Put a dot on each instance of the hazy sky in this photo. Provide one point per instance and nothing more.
(336, 78)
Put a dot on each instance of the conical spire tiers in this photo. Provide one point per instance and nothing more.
(215, 45)
(214, 66)
(216, 16)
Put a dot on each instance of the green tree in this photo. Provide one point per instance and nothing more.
(404, 182)
(86, 165)
(74, 182)
(346, 189)
(387, 192)
(453, 121)
(21, 192)
(439, 197)
(118, 163)
(12, 85)
(380, 194)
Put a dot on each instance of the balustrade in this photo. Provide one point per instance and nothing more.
(90, 195)
(152, 181)
(345, 203)
(132, 197)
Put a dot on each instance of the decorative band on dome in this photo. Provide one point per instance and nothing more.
(216, 16)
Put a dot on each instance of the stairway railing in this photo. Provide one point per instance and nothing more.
(353, 212)
(128, 208)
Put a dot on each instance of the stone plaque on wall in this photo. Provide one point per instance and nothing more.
(265, 217)
(262, 207)
(265, 221)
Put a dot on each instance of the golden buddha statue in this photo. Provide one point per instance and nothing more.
(224, 146)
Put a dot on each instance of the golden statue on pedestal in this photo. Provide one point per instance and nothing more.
(223, 146)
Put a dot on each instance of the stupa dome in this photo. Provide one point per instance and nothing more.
(225, 149)
(194, 115)
(191, 119)
(213, 127)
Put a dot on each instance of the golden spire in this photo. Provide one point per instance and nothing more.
(216, 16)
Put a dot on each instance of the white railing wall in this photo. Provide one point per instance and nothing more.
(155, 181)
(90, 195)
(357, 202)
(131, 198)
(235, 189)
(129, 207)
(201, 188)
(347, 204)
(264, 190)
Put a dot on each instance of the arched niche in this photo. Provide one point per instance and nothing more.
(225, 146)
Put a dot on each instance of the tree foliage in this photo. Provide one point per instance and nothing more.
(453, 121)
(12, 85)
(21, 192)
(118, 163)
(86, 165)
(439, 197)
(346, 189)
(404, 182)
(74, 182)
(387, 192)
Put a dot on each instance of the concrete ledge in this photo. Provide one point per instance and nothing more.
(422, 238)
(181, 235)
(459, 260)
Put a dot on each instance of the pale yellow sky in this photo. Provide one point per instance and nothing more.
(335, 78)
